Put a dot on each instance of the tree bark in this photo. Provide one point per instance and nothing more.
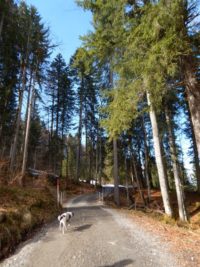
(146, 153)
(193, 97)
(116, 175)
(67, 164)
(159, 159)
(25, 154)
(179, 187)
(100, 159)
(1, 23)
(86, 141)
(52, 114)
(127, 183)
(57, 106)
(78, 157)
(97, 156)
(21, 93)
(137, 180)
(14, 146)
(115, 156)
(27, 108)
(196, 157)
(90, 159)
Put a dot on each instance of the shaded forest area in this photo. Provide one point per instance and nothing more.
(117, 112)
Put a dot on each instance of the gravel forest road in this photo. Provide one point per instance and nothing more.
(97, 237)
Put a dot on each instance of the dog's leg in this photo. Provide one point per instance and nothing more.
(68, 222)
(63, 230)
(64, 226)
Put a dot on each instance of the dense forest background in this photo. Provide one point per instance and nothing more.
(116, 111)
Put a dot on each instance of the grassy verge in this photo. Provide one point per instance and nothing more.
(183, 238)
(24, 209)
(155, 208)
(21, 211)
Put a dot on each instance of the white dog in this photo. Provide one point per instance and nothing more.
(63, 219)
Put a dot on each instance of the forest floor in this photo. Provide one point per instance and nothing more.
(184, 238)
(22, 211)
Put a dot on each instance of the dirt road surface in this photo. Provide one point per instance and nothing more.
(97, 237)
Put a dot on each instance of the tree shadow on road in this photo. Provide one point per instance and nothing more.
(121, 263)
(82, 227)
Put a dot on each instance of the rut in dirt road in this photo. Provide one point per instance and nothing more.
(97, 237)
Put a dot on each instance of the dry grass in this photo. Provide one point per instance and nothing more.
(21, 211)
(183, 238)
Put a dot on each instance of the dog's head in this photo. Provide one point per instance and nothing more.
(70, 214)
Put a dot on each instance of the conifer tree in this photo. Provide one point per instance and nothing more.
(105, 44)
(25, 22)
(83, 70)
(60, 93)
(39, 53)
(9, 71)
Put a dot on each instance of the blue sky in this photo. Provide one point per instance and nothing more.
(67, 22)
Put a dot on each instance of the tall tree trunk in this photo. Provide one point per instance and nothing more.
(14, 146)
(90, 159)
(51, 144)
(97, 155)
(78, 157)
(92, 154)
(115, 156)
(146, 153)
(1, 23)
(86, 147)
(25, 154)
(52, 117)
(63, 147)
(137, 180)
(57, 109)
(67, 164)
(196, 157)
(159, 159)
(100, 159)
(116, 175)
(193, 97)
(27, 108)
(133, 177)
(139, 167)
(179, 187)
(21, 93)
(127, 183)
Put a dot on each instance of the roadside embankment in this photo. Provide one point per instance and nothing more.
(22, 210)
